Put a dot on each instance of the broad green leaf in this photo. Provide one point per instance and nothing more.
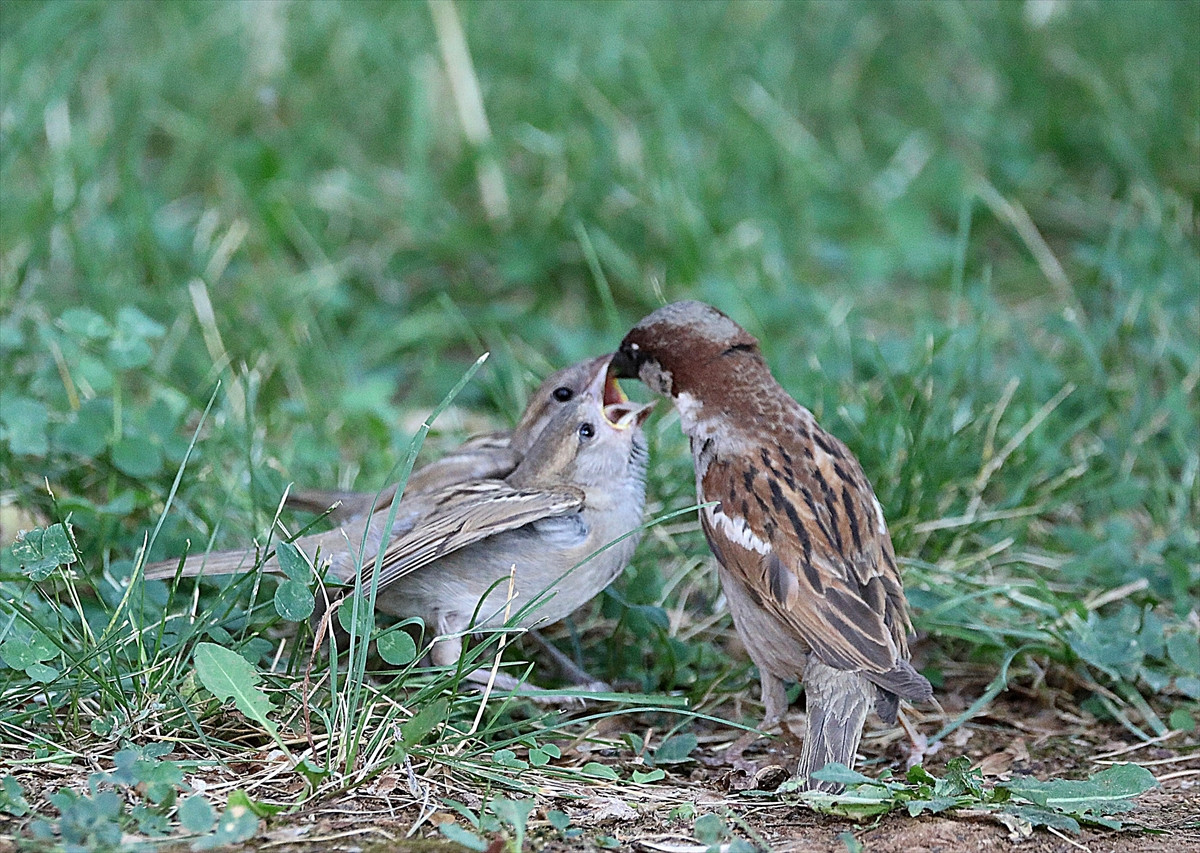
(93, 372)
(540, 756)
(600, 771)
(516, 814)
(466, 838)
(228, 676)
(25, 422)
(84, 323)
(710, 829)
(237, 824)
(1109, 790)
(312, 771)
(1184, 649)
(937, 804)
(87, 432)
(1038, 816)
(653, 776)
(259, 807)
(127, 352)
(508, 758)
(365, 622)
(852, 844)
(41, 673)
(843, 775)
(41, 550)
(133, 322)
(196, 815)
(857, 804)
(137, 457)
(293, 601)
(294, 563)
(676, 749)
(24, 652)
(397, 648)
(1188, 686)
(12, 797)
(423, 722)
(1181, 719)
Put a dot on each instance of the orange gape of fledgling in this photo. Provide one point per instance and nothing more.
(804, 554)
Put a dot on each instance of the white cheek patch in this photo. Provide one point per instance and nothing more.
(691, 417)
(736, 530)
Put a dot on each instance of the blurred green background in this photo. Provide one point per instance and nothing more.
(966, 233)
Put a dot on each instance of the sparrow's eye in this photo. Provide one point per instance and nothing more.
(562, 394)
(586, 431)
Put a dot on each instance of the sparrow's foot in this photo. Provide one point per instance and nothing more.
(578, 677)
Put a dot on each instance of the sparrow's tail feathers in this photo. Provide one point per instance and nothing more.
(838, 704)
(901, 682)
(232, 562)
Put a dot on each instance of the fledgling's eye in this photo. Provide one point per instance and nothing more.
(586, 431)
(562, 394)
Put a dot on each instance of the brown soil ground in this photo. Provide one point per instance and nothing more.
(1016, 736)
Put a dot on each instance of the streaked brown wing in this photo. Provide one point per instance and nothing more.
(810, 555)
(464, 515)
(484, 457)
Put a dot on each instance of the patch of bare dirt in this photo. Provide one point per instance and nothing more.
(1019, 735)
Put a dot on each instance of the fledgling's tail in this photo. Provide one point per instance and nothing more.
(838, 703)
(339, 545)
(214, 563)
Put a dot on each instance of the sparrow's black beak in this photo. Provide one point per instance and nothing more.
(625, 362)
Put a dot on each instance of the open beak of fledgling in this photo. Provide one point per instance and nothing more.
(620, 412)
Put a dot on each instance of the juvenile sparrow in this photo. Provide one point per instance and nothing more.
(493, 455)
(579, 487)
(803, 551)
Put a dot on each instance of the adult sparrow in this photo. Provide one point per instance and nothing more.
(493, 455)
(802, 548)
(448, 557)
